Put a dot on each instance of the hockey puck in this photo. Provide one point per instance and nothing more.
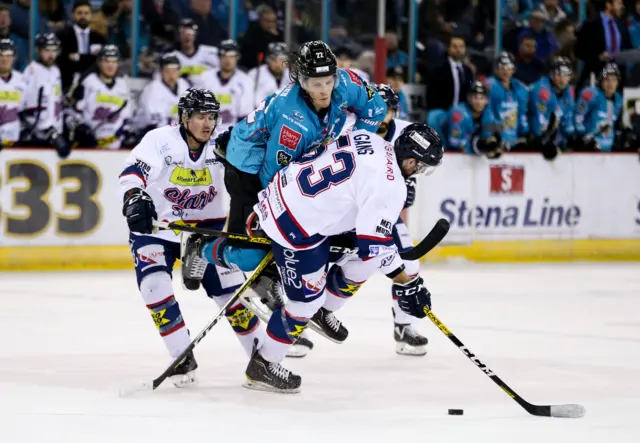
(456, 412)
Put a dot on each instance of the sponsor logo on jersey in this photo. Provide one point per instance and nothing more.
(283, 180)
(193, 70)
(506, 179)
(149, 256)
(283, 158)
(224, 99)
(391, 159)
(145, 168)
(369, 122)
(211, 161)
(295, 122)
(289, 138)
(10, 96)
(313, 284)
(184, 199)
(376, 250)
(355, 78)
(378, 111)
(384, 227)
(288, 271)
(370, 93)
(191, 177)
(107, 99)
(298, 115)
(343, 107)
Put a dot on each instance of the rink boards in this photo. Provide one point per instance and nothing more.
(67, 214)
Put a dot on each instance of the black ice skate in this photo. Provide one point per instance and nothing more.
(269, 288)
(263, 375)
(193, 265)
(326, 323)
(408, 341)
(300, 348)
(184, 375)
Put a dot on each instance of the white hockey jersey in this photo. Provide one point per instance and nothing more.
(235, 95)
(265, 83)
(353, 183)
(182, 189)
(158, 105)
(12, 101)
(40, 77)
(206, 58)
(105, 109)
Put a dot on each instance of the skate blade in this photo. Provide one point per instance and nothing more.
(260, 386)
(407, 349)
(314, 327)
(182, 381)
(297, 351)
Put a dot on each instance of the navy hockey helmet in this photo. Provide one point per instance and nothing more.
(198, 100)
(188, 23)
(315, 59)
(560, 65)
(389, 96)
(277, 49)
(229, 47)
(109, 52)
(422, 143)
(47, 40)
(609, 69)
(477, 87)
(7, 45)
(168, 59)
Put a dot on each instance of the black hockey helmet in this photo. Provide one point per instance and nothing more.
(506, 60)
(109, 51)
(198, 100)
(277, 49)
(229, 47)
(189, 24)
(477, 87)
(47, 40)
(422, 143)
(388, 95)
(609, 68)
(7, 45)
(560, 65)
(168, 59)
(315, 59)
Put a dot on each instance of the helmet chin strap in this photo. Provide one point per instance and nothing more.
(190, 134)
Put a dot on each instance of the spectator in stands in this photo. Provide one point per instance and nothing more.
(344, 57)
(54, 12)
(79, 45)
(599, 39)
(396, 77)
(209, 29)
(551, 12)
(565, 33)
(633, 24)
(20, 30)
(158, 15)
(5, 32)
(118, 13)
(395, 56)
(257, 38)
(449, 84)
(546, 43)
(529, 69)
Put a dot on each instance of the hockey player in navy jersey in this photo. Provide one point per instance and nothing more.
(551, 109)
(472, 128)
(306, 115)
(508, 101)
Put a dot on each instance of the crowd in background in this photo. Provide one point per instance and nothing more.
(454, 45)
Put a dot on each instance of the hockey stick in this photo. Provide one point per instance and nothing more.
(153, 385)
(563, 411)
(435, 236)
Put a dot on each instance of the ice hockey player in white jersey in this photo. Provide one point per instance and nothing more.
(158, 104)
(12, 95)
(232, 87)
(103, 105)
(359, 178)
(43, 119)
(175, 175)
(195, 59)
(273, 75)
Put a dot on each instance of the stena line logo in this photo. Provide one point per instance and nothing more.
(504, 179)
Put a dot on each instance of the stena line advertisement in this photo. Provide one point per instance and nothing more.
(524, 197)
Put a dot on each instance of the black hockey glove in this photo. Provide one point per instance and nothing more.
(139, 211)
(412, 297)
(411, 192)
(57, 141)
(222, 141)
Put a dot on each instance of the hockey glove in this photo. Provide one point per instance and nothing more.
(222, 141)
(61, 145)
(412, 297)
(139, 211)
(253, 226)
(411, 192)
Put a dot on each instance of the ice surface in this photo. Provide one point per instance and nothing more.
(555, 333)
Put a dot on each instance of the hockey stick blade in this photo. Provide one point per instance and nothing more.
(560, 411)
(435, 236)
(153, 385)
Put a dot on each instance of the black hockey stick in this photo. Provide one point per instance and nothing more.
(150, 386)
(563, 411)
(435, 236)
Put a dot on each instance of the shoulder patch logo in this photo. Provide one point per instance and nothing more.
(289, 138)
(283, 158)
(355, 78)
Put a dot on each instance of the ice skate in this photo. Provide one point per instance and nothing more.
(300, 348)
(328, 325)
(263, 375)
(409, 341)
(269, 288)
(193, 265)
(184, 374)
